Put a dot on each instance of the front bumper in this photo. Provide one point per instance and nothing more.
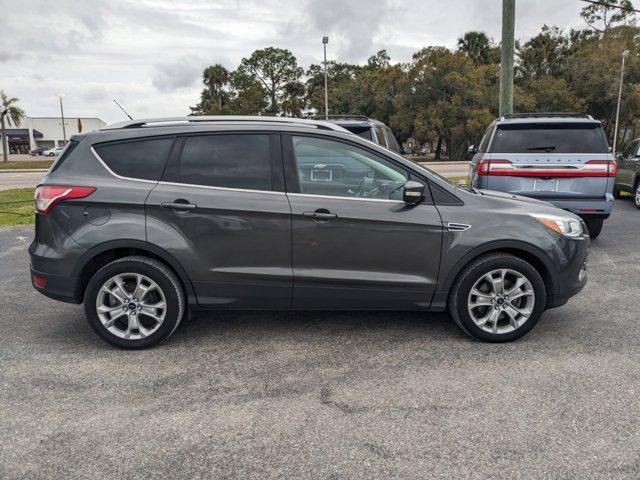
(572, 271)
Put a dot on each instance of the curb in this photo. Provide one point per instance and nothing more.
(23, 170)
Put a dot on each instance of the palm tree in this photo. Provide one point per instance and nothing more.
(216, 77)
(476, 45)
(14, 114)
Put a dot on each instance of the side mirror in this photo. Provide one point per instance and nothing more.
(412, 192)
(473, 149)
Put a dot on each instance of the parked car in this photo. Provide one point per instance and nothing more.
(53, 152)
(628, 177)
(365, 127)
(37, 152)
(146, 219)
(561, 158)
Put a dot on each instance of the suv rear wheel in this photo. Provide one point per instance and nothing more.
(497, 298)
(636, 195)
(134, 302)
(594, 225)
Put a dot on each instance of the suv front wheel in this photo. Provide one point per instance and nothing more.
(134, 302)
(497, 298)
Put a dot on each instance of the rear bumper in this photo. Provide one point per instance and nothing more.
(54, 286)
(588, 206)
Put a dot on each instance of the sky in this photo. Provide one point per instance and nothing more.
(149, 54)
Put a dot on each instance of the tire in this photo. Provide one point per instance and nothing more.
(157, 313)
(594, 225)
(504, 329)
(617, 193)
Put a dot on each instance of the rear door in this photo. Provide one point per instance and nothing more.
(356, 245)
(221, 211)
(569, 160)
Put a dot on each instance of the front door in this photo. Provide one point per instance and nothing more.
(221, 211)
(355, 244)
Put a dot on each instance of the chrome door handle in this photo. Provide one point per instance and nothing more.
(320, 214)
(178, 205)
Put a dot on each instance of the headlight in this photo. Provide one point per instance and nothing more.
(568, 227)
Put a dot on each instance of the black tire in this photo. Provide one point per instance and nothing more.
(459, 295)
(617, 193)
(594, 225)
(155, 271)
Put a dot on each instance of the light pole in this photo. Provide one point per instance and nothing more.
(64, 131)
(325, 40)
(625, 54)
(506, 57)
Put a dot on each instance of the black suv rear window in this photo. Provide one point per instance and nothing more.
(550, 138)
(143, 159)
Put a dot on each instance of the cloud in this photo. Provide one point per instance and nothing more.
(6, 56)
(179, 74)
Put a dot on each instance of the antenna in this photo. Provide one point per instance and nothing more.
(120, 106)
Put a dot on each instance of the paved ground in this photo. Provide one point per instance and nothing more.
(10, 180)
(326, 395)
(448, 169)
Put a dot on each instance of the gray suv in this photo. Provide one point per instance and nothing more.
(365, 127)
(562, 158)
(146, 220)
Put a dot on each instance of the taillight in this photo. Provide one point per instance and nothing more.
(48, 196)
(505, 168)
(494, 167)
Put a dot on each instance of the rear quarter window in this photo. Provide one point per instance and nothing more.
(143, 159)
(69, 147)
(550, 138)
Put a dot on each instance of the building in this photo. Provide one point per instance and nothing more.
(46, 132)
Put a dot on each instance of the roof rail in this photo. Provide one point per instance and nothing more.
(549, 114)
(340, 117)
(170, 121)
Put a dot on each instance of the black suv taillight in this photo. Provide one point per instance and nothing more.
(48, 196)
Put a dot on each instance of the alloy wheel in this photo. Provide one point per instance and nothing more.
(131, 306)
(637, 196)
(501, 301)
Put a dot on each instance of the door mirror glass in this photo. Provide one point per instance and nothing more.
(413, 192)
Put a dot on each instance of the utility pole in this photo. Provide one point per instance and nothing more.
(615, 130)
(325, 40)
(64, 131)
(506, 56)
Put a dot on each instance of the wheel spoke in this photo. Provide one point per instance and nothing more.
(115, 291)
(478, 293)
(516, 286)
(512, 318)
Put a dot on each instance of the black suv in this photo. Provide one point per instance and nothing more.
(146, 219)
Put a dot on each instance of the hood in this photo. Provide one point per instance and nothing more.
(509, 196)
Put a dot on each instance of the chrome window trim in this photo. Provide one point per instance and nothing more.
(224, 189)
(344, 198)
(121, 177)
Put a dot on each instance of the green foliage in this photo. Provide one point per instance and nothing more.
(443, 96)
(16, 207)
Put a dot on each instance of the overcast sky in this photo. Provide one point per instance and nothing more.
(149, 54)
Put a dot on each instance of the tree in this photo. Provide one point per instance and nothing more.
(214, 95)
(544, 54)
(9, 113)
(479, 48)
(273, 68)
(607, 13)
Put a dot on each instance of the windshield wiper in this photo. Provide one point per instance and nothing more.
(548, 148)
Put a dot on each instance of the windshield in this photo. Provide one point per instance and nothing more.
(550, 138)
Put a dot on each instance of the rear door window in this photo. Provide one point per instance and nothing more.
(143, 159)
(381, 139)
(230, 161)
(550, 138)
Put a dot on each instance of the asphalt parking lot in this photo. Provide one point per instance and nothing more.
(325, 394)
